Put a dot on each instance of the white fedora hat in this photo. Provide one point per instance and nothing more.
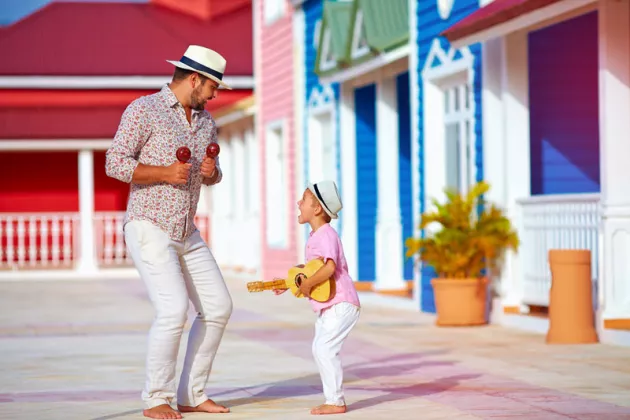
(327, 194)
(204, 61)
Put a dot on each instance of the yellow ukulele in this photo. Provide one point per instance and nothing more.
(321, 293)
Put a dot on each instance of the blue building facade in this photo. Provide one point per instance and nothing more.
(321, 117)
(450, 142)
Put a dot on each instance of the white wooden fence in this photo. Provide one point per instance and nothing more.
(568, 221)
(51, 240)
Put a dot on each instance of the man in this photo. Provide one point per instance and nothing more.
(173, 260)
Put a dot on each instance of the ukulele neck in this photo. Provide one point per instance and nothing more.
(274, 284)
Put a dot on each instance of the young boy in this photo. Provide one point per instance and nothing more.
(319, 204)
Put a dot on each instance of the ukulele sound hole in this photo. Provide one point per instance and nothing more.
(299, 278)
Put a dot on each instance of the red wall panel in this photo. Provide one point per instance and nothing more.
(110, 194)
(39, 181)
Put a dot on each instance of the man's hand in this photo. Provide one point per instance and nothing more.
(177, 173)
(208, 166)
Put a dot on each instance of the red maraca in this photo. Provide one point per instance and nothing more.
(213, 150)
(183, 154)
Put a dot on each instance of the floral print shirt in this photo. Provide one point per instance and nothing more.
(151, 130)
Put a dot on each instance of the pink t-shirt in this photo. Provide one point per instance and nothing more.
(325, 243)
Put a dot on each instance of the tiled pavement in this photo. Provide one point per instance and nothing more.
(75, 350)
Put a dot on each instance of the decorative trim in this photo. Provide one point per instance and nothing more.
(357, 32)
(234, 112)
(512, 310)
(317, 33)
(319, 101)
(16, 145)
(105, 82)
(448, 65)
(445, 7)
(617, 324)
(324, 63)
(367, 66)
(523, 21)
(363, 286)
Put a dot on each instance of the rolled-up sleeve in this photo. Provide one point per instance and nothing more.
(121, 159)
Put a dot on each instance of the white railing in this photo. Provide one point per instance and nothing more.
(568, 221)
(36, 240)
(51, 240)
(111, 250)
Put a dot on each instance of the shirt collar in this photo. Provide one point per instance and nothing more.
(169, 96)
(172, 100)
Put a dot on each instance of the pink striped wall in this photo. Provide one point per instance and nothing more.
(274, 94)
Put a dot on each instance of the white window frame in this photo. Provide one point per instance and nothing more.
(455, 88)
(276, 203)
(273, 10)
(322, 104)
(435, 80)
(357, 35)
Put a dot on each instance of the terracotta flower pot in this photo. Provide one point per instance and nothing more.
(571, 315)
(460, 302)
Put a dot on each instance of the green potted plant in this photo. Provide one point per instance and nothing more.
(466, 248)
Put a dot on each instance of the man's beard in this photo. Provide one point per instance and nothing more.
(196, 102)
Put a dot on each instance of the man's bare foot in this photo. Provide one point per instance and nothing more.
(163, 411)
(329, 409)
(205, 407)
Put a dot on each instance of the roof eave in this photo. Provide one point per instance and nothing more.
(502, 24)
(105, 82)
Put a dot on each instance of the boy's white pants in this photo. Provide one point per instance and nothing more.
(174, 272)
(331, 329)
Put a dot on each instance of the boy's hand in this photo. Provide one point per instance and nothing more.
(305, 288)
(279, 291)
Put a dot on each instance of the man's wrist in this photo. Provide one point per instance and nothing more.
(213, 176)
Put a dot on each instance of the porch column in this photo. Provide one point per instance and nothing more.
(239, 254)
(516, 138)
(614, 109)
(87, 261)
(389, 251)
(349, 233)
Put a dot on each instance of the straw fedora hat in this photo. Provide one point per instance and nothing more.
(204, 61)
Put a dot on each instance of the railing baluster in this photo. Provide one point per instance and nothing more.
(109, 241)
(120, 239)
(67, 240)
(2, 253)
(21, 236)
(32, 241)
(555, 222)
(43, 244)
(55, 234)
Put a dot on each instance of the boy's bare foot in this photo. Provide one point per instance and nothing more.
(163, 411)
(329, 409)
(205, 407)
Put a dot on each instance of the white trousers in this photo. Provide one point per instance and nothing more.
(175, 272)
(331, 330)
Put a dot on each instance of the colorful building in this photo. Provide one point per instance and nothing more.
(358, 131)
(275, 128)
(556, 95)
(447, 124)
(68, 72)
